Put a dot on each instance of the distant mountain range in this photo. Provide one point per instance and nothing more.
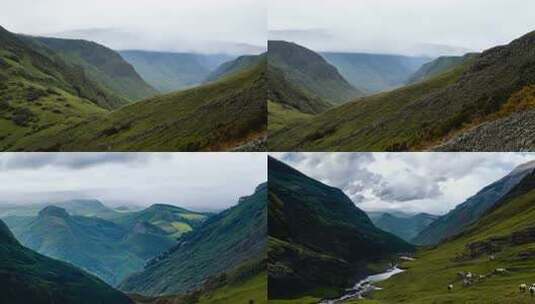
(483, 103)
(405, 226)
(168, 72)
(222, 244)
(470, 211)
(318, 239)
(29, 277)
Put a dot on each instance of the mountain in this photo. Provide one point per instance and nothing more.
(373, 73)
(230, 67)
(497, 249)
(473, 208)
(102, 65)
(29, 277)
(438, 66)
(224, 242)
(174, 221)
(309, 72)
(404, 226)
(319, 240)
(482, 91)
(98, 246)
(81, 207)
(217, 116)
(168, 72)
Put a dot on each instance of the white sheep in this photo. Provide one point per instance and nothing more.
(532, 290)
(450, 287)
(523, 287)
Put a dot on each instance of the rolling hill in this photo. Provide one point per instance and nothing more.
(405, 226)
(374, 73)
(234, 66)
(438, 66)
(168, 72)
(497, 250)
(101, 64)
(218, 116)
(103, 248)
(307, 71)
(225, 242)
(319, 241)
(80, 207)
(473, 208)
(482, 91)
(29, 277)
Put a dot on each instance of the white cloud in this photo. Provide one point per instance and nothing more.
(409, 182)
(193, 180)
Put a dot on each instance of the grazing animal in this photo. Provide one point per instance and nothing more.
(467, 283)
(532, 290)
(499, 270)
(469, 275)
(450, 287)
(523, 287)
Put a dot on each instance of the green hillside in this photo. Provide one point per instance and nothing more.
(375, 72)
(319, 241)
(169, 72)
(425, 114)
(309, 72)
(437, 67)
(174, 221)
(102, 65)
(103, 248)
(221, 244)
(502, 238)
(404, 226)
(239, 64)
(28, 277)
(217, 116)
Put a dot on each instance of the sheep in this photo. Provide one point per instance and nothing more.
(450, 287)
(500, 270)
(469, 276)
(532, 290)
(523, 287)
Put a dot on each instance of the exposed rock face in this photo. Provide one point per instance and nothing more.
(497, 244)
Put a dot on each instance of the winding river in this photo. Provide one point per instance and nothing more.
(364, 287)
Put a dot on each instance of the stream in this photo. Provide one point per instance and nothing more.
(364, 287)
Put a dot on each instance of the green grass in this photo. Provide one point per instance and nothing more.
(280, 115)
(240, 292)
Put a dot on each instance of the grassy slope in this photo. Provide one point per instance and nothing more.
(279, 115)
(103, 65)
(239, 64)
(361, 123)
(212, 117)
(428, 276)
(254, 289)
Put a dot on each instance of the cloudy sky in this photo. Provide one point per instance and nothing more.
(393, 26)
(200, 181)
(169, 25)
(407, 182)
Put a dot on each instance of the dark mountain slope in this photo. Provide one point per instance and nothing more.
(318, 237)
(217, 116)
(438, 66)
(309, 72)
(221, 244)
(425, 114)
(105, 249)
(405, 227)
(375, 72)
(504, 237)
(239, 64)
(168, 72)
(28, 277)
(473, 208)
(103, 65)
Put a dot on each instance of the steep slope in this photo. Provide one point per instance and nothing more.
(218, 116)
(174, 221)
(473, 208)
(41, 93)
(375, 72)
(222, 243)
(437, 67)
(168, 72)
(98, 246)
(404, 226)
(102, 65)
(239, 64)
(309, 72)
(28, 277)
(318, 239)
(425, 114)
(502, 238)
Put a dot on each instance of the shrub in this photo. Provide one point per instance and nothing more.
(32, 94)
(22, 116)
